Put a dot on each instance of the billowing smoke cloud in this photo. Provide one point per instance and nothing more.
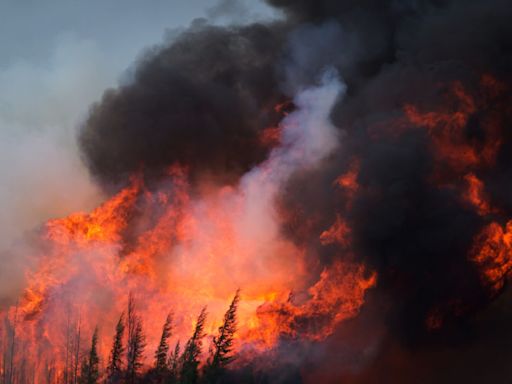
(407, 218)
(202, 101)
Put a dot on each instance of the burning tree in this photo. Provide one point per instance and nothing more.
(89, 373)
(174, 364)
(161, 354)
(136, 342)
(221, 350)
(189, 373)
(114, 368)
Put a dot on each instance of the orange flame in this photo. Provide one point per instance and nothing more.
(492, 253)
(339, 232)
(447, 131)
(475, 194)
(178, 253)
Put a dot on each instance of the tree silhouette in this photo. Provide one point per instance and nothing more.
(174, 364)
(221, 352)
(163, 347)
(190, 358)
(136, 348)
(136, 342)
(114, 368)
(90, 366)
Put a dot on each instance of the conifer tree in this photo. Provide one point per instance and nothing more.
(190, 359)
(84, 368)
(136, 342)
(221, 352)
(174, 364)
(77, 349)
(90, 366)
(131, 314)
(131, 325)
(114, 367)
(163, 347)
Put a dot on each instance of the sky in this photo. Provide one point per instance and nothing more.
(58, 57)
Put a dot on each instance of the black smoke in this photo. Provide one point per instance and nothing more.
(204, 99)
(201, 101)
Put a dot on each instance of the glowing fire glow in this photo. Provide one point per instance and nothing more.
(179, 249)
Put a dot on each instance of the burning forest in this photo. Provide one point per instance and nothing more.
(319, 197)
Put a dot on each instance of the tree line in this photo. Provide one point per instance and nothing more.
(179, 365)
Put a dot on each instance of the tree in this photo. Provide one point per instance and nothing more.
(114, 367)
(90, 366)
(13, 345)
(221, 352)
(174, 364)
(190, 359)
(136, 351)
(136, 342)
(77, 348)
(163, 347)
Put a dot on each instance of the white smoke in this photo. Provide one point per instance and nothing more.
(257, 249)
(40, 168)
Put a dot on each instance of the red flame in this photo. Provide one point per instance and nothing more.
(492, 253)
(178, 253)
(459, 156)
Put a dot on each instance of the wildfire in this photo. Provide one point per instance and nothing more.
(179, 249)
(197, 277)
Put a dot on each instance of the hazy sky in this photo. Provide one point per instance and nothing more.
(29, 29)
(57, 57)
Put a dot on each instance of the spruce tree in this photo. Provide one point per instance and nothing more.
(114, 368)
(136, 346)
(221, 352)
(190, 359)
(90, 366)
(163, 347)
(174, 364)
(84, 369)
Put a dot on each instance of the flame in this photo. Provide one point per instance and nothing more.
(348, 180)
(447, 129)
(336, 296)
(475, 194)
(492, 253)
(210, 261)
(458, 157)
(177, 248)
(102, 224)
(339, 232)
(78, 230)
